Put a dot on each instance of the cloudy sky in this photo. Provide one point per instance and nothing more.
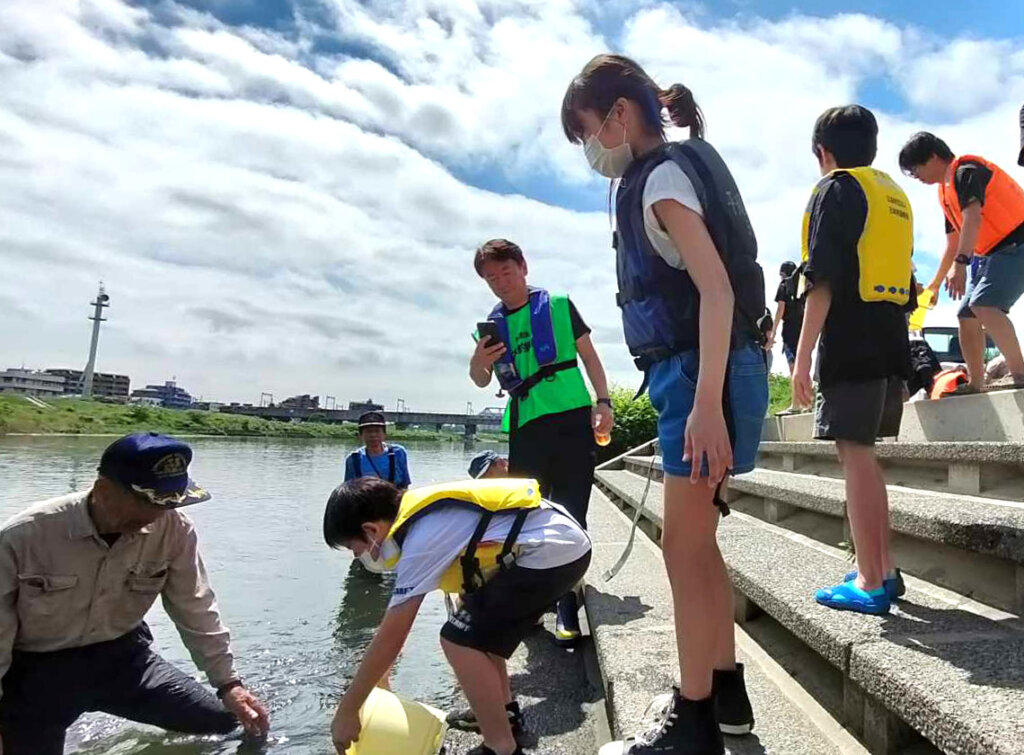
(285, 195)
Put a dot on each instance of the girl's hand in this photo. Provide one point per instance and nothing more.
(706, 435)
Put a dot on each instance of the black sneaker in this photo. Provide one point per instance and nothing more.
(465, 720)
(567, 621)
(678, 727)
(732, 706)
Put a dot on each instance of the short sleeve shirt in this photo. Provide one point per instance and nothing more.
(667, 181)
(379, 466)
(793, 314)
(860, 340)
(550, 538)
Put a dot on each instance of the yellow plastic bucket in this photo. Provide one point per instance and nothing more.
(393, 726)
(925, 301)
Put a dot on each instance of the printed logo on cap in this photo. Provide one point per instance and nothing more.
(172, 465)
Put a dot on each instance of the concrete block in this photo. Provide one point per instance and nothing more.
(789, 462)
(744, 609)
(1018, 605)
(776, 511)
(853, 707)
(997, 416)
(884, 733)
(965, 478)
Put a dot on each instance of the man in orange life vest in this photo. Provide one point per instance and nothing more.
(984, 210)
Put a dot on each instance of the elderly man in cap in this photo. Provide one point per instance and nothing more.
(488, 464)
(376, 458)
(77, 575)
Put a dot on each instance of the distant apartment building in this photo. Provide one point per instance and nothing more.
(104, 384)
(305, 401)
(24, 382)
(168, 395)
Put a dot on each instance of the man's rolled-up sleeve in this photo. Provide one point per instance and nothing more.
(190, 602)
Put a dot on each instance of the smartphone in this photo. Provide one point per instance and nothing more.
(486, 329)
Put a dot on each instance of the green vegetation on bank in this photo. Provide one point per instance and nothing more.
(72, 416)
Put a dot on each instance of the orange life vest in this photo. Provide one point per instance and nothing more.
(1002, 211)
(947, 381)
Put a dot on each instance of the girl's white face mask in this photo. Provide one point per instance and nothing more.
(386, 553)
(610, 163)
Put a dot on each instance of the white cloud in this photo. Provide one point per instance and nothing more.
(270, 218)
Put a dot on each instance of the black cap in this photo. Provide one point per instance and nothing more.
(155, 466)
(372, 419)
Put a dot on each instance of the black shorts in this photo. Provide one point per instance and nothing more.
(498, 616)
(559, 452)
(861, 411)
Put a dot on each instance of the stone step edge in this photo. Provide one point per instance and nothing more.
(882, 736)
(802, 701)
(831, 500)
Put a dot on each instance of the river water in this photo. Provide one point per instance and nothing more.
(300, 614)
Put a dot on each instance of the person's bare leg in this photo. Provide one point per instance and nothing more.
(867, 507)
(701, 594)
(972, 344)
(483, 687)
(1002, 331)
(502, 667)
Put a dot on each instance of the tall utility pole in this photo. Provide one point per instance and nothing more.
(97, 318)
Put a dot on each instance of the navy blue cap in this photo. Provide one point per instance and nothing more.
(372, 419)
(154, 466)
(481, 463)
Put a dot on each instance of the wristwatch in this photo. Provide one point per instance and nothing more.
(606, 401)
(228, 686)
(962, 259)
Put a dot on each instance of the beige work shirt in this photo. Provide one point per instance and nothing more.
(62, 586)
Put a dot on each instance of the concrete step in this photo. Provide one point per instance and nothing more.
(940, 666)
(991, 470)
(969, 544)
(631, 623)
(996, 416)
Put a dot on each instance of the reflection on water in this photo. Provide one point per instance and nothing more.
(300, 613)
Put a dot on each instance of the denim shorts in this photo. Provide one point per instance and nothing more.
(789, 351)
(998, 281)
(673, 384)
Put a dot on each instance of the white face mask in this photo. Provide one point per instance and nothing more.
(378, 564)
(610, 163)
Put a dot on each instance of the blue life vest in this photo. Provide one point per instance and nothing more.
(660, 304)
(543, 333)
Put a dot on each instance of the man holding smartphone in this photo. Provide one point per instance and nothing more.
(532, 340)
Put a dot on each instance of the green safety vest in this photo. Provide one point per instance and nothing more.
(560, 392)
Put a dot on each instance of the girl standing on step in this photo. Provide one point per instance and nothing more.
(693, 310)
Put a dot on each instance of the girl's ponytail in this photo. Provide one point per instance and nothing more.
(683, 110)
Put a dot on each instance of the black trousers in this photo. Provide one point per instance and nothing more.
(43, 693)
(560, 453)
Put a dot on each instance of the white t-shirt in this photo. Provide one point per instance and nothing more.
(667, 181)
(549, 539)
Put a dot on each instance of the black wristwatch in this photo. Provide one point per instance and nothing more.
(227, 687)
(962, 259)
(606, 401)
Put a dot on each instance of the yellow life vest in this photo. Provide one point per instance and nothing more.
(478, 561)
(887, 242)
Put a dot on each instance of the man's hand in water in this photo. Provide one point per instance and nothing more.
(247, 709)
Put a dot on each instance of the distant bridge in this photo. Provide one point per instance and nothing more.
(471, 423)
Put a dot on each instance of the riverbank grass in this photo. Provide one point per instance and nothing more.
(79, 417)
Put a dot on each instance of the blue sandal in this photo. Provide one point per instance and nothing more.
(849, 597)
